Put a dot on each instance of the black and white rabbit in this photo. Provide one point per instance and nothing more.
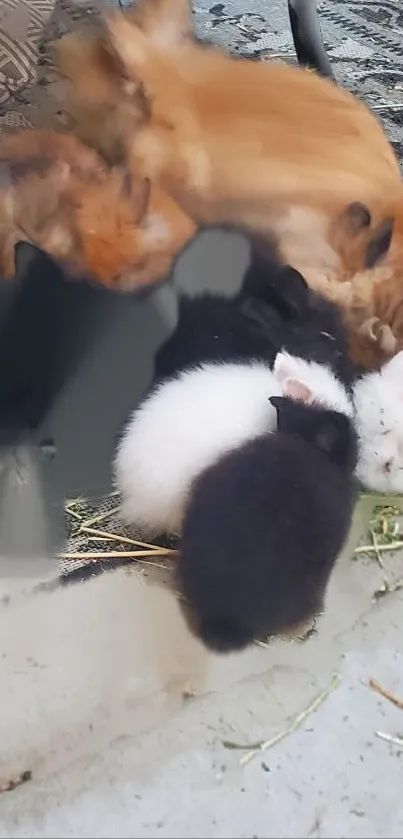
(188, 422)
(274, 310)
(264, 526)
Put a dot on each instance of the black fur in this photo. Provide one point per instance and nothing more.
(274, 310)
(40, 311)
(264, 527)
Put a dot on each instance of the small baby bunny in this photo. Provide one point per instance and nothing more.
(185, 424)
(274, 310)
(264, 526)
(378, 400)
(58, 194)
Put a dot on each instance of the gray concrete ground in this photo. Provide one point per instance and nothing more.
(92, 684)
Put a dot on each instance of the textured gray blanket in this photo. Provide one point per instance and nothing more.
(363, 38)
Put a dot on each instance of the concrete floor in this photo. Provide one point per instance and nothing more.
(92, 684)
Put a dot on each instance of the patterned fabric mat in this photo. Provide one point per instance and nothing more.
(364, 40)
(96, 531)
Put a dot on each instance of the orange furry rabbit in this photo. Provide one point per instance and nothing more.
(58, 194)
(247, 139)
(276, 148)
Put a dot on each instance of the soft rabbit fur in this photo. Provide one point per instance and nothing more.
(187, 423)
(241, 137)
(320, 150)
(292, 173)
(274, 310)
(226, 130)
(278, 149)
(58, 194)
(378, 402)
(264, 526)
(94, 73)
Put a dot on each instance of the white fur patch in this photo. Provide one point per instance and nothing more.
(378, 399)
(188, 423)
(326, 389)
(183, 427)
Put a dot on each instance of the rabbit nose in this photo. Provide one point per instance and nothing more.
(387, 466)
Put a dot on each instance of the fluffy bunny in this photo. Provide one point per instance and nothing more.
(280, 150)
(378, 401)
(58, 194)
(222, 130)
(274, 310)
(194, 115)
(188, 422)
(264, 527)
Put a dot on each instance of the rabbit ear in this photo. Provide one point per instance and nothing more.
(287, 372)
(355, 218)
(295, 290)
(131, 45)
(167, 22)
(145, 63)
(297, 390)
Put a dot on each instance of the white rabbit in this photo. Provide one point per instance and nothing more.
(378, 401)
(185, 424)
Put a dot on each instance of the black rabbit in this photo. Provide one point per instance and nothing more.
(41, 311)
(264, 527)
(274, 310)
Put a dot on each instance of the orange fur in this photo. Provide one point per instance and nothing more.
(375, 318)
(260, 144)
(58, 194)
(247, 136)
(277, 149)
(96, 79)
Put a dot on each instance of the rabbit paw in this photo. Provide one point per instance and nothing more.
(380, 334)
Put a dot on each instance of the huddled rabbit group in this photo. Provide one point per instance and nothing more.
(267, 409)
(173, 134)
(251, 445)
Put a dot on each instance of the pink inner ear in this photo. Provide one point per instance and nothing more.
(297, 390)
